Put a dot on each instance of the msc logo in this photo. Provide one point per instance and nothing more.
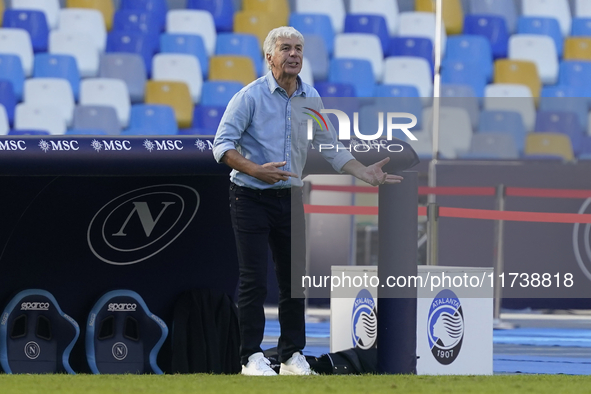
(163, 145)
(13, 145)
(139, 224)
(61, 145)
(119, 351)
(32, 350)
(364, 321)
(445, 327)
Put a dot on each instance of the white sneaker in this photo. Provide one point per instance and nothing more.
(258, 365)
(296, 365)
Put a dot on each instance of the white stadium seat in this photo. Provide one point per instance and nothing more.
(81, 20)
(39, 117)
(408, 70)
(4, 126)
(193, 22)
(386, 8)
(50, 8)
(108, 92)
(79, 45)
(420, 24)
(511, 97)
(559, 9)
(335, 9)
(361, 46)
(51, 91)
(179, 68)
(455, 130)
(18, 42)
(539, 49)
(306, 72)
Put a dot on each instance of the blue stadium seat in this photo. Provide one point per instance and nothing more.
(8, 99)
(317, 54)
(207, 118)
(561, 122)
(396, 91)
(85, 132)
(241, 45)
(133, 42)
(318, 24)
(565, 98)
(158, 7)
(11, 69)
(221, 10)
(586, 148)
(33, 322)
(123, 336)
(32, 21)
(137, 20)
(581, 27)
(334, 89)
(504, 122)
(543, 26)
(356, 72)
(504, 8)
(401, 103)
(491, 27)
(152, 120)
(461, 72)
(47, 65)
(369, 24)
(27, 132)
(471, 48)
(488, 145)
(190, 44)
(412, 46)
(576, 73)
(219, 93)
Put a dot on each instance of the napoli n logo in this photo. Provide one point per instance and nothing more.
(364, 321)
(445, 327)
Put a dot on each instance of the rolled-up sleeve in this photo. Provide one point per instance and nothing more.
(234, 122)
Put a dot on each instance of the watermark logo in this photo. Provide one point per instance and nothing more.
(364, 321)
(445, 327)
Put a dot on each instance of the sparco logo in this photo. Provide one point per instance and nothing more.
(137, 225)
(35, 306)
(445, 327)
(122, 307)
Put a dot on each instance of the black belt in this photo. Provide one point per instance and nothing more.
(265, 192)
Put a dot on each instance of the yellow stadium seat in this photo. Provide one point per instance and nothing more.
(279, 9)
(453, 13)
(577, 48)
(232, 68)
(554, 144)
(1, 12)
(254, 22)
(174, 94)
(518, 72)
(104, 6)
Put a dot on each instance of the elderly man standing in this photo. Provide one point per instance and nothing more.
(255, 138)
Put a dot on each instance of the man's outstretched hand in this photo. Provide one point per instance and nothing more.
(372, 174)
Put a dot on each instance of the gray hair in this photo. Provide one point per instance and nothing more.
(271, 40)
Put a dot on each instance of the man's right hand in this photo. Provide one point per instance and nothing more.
(270, 173)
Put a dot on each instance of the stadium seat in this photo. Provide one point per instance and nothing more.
(368, 24)
(51, 91)
(219, 93)
(549, 144)
(221, 10)
(133, 42)
(198, 22)
(278, 10)
(581, 27)
(34, 322)
(180, 68)
(335, 89)
(207, 118)
(4, 122)
(158, 7)
(174, 94)
(542, 26)
(232, 68)
(455, 130)
(462, 72)
(412, 46)
(405, 70)
(315, 51)
(7, 99)
(306, 72)
(18, 42)
(396, 91)
(577, 48)
(386, 8)
(121, 327)
(361, 46)
(314, 24)
(492, 28)
(152, 120)
(452, 13)
(512, 97)
(11, 70)
(577, 74)
(510, 122)
(32, 21)
(87, 21)
(137, 20)
(462, 96)
(538, 49)
(188, 44)
(561, 122)
(105, 7)
(109, 92)
(97, 117)
(518, 72)
(504, 8)
(487, 146)
(35, 117)
(28, 132)
(335, 9)
(128, 67)
(78, 45)
(582, 8)
(558, 9)
(85, 132)
(565, 98)
(254, 23)
(235, 44)
(50, 8)
(473, 49)
(420, 24)
(393, 100)
(58, 66)
(357, 72)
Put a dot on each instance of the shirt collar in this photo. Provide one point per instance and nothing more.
(273, 85)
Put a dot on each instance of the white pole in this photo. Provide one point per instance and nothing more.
(436, 95)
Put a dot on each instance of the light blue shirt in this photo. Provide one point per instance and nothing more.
(265, 125)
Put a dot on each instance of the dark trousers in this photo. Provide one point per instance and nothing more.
(263, 219)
